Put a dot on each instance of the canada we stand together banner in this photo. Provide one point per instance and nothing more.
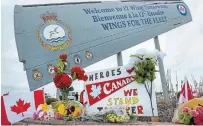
(115, 87)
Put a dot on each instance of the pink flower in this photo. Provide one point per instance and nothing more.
(57, 116)
(186, 110)
(201, 108)
(198, 109)
(45, 113)
(198, 120)
(42, 118)
(194, 113)
(35, 115)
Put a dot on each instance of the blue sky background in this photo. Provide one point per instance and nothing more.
(183, 46)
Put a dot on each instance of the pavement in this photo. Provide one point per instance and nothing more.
(30, 121)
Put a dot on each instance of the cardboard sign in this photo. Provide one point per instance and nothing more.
(107, 89)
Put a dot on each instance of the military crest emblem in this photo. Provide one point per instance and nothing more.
(53, 34)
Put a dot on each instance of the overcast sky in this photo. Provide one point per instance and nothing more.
(183, 46)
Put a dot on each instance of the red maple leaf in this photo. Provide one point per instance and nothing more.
(20, 107)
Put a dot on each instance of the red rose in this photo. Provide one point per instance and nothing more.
(80, 73)
(57, 80)
(66, 80)
(75, 69)
(85, 78)
(62, 80)
(63, 56)
(55, 69)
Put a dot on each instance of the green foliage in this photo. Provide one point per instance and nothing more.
(60, 97)
(145, 69)
(185, 117)
(181, 115)
(51, 100)
(60, 66)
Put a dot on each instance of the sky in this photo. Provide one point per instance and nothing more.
(183, 47)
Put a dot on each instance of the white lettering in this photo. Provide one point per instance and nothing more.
(105, 90)
(114, 86)
(124, 83)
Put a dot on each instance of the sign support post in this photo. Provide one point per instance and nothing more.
(57, 93)
(119, 59)
(162, 71)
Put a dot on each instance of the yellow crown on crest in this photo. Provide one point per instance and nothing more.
(49, 18)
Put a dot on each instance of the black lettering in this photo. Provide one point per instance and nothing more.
(95, 19)
(87, 11)
(134, 15)
(96, 76)
(107, 74)
(113, 72)
(123, 23)
(99, 108)
(91, 77)
(118, 71)
(105, 26)
(133, 23)
(159, 19)
(146, 21)
(114, 25)
(133, 110)
(101, 75)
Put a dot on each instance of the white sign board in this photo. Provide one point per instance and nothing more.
(115, 87)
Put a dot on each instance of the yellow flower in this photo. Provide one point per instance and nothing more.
(61, 110)
(45, 107)
(76, 112)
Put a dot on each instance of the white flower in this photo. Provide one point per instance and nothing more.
(39, 108)
(152, 53)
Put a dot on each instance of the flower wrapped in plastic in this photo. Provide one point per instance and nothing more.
(189, 116)
(72, 109)
(44, 112)
(117, 115)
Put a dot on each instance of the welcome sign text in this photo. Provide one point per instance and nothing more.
(127, 16)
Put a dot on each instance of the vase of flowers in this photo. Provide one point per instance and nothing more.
(63, 79)
(63, 76)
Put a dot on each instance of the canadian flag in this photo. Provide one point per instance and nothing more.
(196, 93)
(186, 93)
(16, 107)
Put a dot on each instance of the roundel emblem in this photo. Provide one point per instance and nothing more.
(182, 9)
(37, 75)
(52, 33)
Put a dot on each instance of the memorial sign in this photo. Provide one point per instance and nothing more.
(110, 88)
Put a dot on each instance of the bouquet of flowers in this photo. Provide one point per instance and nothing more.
(145, 69)
(44, 112)
(62, 79)
(192, 117)
(68, 110)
